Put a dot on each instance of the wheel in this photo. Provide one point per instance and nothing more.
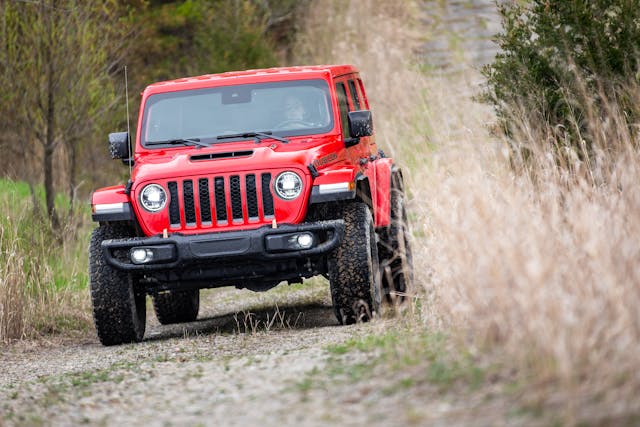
(119, 309)
(177, 306)
(354, 271)
(395, 250)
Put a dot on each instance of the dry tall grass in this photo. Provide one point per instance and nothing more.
(378, 37)
(12, 296)
(42, 277)
(540, 269)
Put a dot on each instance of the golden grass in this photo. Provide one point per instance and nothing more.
(537, 268)
(12, 295)
(544, 272)
(42, 277)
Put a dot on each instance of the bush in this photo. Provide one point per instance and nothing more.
(563, 66)
(180, 38)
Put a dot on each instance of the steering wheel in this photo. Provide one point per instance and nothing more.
(288, 124)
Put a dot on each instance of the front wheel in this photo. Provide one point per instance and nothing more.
(119, 309)
(354, 271)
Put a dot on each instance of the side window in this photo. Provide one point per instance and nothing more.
(355, 98)
(363, 95)
(344, 109)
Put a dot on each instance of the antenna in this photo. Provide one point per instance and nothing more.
(126, 92)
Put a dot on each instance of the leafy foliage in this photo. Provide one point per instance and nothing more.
(197, 37)
(562, 64)
(61, 65)
(55, 74)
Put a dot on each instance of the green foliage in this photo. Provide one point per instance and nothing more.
(192, 37)
(55, 65)
(61, 70)
(562, 65)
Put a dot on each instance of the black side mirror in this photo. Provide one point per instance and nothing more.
(119, 145)
(360, 123)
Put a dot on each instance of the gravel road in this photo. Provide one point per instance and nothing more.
(228, 368)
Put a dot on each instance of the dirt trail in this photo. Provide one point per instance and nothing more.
(227, 368)
(271, 368)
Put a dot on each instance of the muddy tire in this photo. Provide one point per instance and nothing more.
(396, 258)
(176, 306)
(119, 309)
(354, 272)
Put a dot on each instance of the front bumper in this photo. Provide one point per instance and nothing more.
(262, 245)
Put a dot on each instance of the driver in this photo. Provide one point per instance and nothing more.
(293, 109)
(294, 115)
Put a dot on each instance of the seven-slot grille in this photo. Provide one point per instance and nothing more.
(220, 200)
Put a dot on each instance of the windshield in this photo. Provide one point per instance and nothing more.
(300, 107)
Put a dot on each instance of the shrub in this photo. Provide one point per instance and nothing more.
(564, 65)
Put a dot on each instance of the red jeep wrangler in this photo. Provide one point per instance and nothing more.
(249, 179)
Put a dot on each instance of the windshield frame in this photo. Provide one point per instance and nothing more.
(222, 89)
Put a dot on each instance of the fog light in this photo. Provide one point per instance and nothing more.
(301, 241)
(290, 242)
(141, 255)
(305, 240)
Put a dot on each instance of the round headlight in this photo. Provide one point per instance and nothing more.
(153, 197)
(288, 185)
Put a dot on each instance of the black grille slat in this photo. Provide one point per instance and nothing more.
(205, 203)
(252, 196)
(189, 202)
(174, 205)
(236, 197)
(221, 200)
(267, 198)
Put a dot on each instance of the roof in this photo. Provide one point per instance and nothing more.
(250, 76)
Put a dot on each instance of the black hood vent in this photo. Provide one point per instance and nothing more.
(228, 155)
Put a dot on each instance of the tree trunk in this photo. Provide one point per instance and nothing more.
(49, 189)
(49, 144)
(73, 167)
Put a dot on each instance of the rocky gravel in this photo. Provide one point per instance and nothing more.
(243, 362)
(251, 359)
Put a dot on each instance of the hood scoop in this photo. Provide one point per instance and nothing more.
(227, 155)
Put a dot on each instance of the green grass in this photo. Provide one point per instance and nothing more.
(406, 358)
(19, 191)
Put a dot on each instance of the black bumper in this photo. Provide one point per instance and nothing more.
(261, 245)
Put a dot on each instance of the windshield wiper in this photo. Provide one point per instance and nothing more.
(259, 136)
(180, 141)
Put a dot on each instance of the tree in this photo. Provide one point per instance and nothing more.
(194, 37)
(563, 64)
(61, 72)
(57, 59)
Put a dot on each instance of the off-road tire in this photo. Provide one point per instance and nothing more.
(354, 272)
(396, 258)
(119, 306)
(177, 306)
